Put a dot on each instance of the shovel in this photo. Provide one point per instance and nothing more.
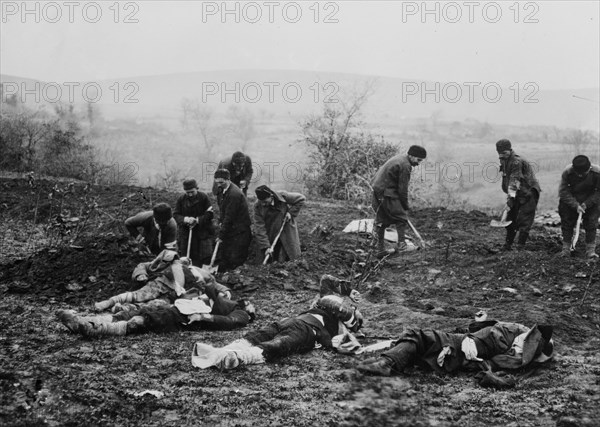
(503, 222)
(412, 227)
(272, 248)
(212, 268)
(189, 244)
(576, 235)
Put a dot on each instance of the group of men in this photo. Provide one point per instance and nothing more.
(579, 194)
(190, 229)
(176, 294)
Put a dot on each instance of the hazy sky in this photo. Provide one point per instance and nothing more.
(553, 43)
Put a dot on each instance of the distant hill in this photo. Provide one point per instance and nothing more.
(298, 93)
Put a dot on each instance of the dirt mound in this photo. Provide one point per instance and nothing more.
(51, 377)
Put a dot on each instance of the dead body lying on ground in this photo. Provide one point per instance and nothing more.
(212, 310)
(166, 277)
(486, 346)
(328, 323)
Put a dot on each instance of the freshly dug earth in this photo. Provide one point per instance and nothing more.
(49, 376)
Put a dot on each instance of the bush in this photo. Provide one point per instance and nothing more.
(344, 158)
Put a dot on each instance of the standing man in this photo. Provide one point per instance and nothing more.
(240, 170)
(390, 195)
(271, 211)
(523, 190)
(193, 211)
(579, 192)
(235, 234)
(158, 228)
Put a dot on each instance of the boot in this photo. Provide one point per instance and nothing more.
(380, 236)
(123, 298)
(381, 366)
(566, 250)
(69, 319)
(401, 246)
(510, 238)
(92, 328)
(523, 236)
(590, 251)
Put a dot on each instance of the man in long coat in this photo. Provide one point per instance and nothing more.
(234, 234)
(194, 211)
(271, 211)
(579, 192)
(240, 170)
(390, 195)
(523, 192)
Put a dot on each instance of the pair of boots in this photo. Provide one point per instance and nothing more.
(590, 250)
(377, 366)
(239, 352)
(510, 238)
(401, 246)
(93, 326)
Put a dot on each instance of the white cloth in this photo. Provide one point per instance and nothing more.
(192, 306)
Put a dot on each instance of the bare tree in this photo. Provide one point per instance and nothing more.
(200, 119)
(241, 124)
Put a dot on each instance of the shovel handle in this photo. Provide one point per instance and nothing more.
(214, 255)
(412, 227)
(189, 243)
(576, 235)
(274, 242)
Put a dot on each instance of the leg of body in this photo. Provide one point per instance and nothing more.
(392, 360)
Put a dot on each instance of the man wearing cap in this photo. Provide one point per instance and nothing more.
(234, 234)
(272, 211)
(390, 195)
(194, 211)
(487, 345)
(240, 170)
(158, 228)
(329, 322)
(579, 192)
(523, 190)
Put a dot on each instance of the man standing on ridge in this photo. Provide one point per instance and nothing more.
(390, 195)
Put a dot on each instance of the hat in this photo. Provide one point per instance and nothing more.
(503, 145)
(190, 184)
(222, 173)
(263, 192)
(238, 157)
(162, 212)
(581, 164)
(417, 151)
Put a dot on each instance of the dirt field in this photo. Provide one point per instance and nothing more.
(49, 376)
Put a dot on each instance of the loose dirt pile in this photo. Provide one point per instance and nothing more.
(49, 376)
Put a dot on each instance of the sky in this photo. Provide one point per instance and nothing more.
(553, 43)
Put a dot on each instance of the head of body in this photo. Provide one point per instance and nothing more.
(162, 213)
(222, 179)
(265, 196)
(504, 149)
(581, 165)
(416, 154)
(238, 160)
(190, 186)
(163, 260)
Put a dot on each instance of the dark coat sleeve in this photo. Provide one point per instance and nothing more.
(248, 171)
(564, 191)
(139, 220)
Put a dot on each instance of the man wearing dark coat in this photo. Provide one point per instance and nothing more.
(390, 195)
(194, 211)
(488, 345)
(159, 229)
(271, 211)
(240, 170)
(523, 192)
(234, 235)
(579, 193)
(212, 311)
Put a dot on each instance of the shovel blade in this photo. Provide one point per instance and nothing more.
(496, 223)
